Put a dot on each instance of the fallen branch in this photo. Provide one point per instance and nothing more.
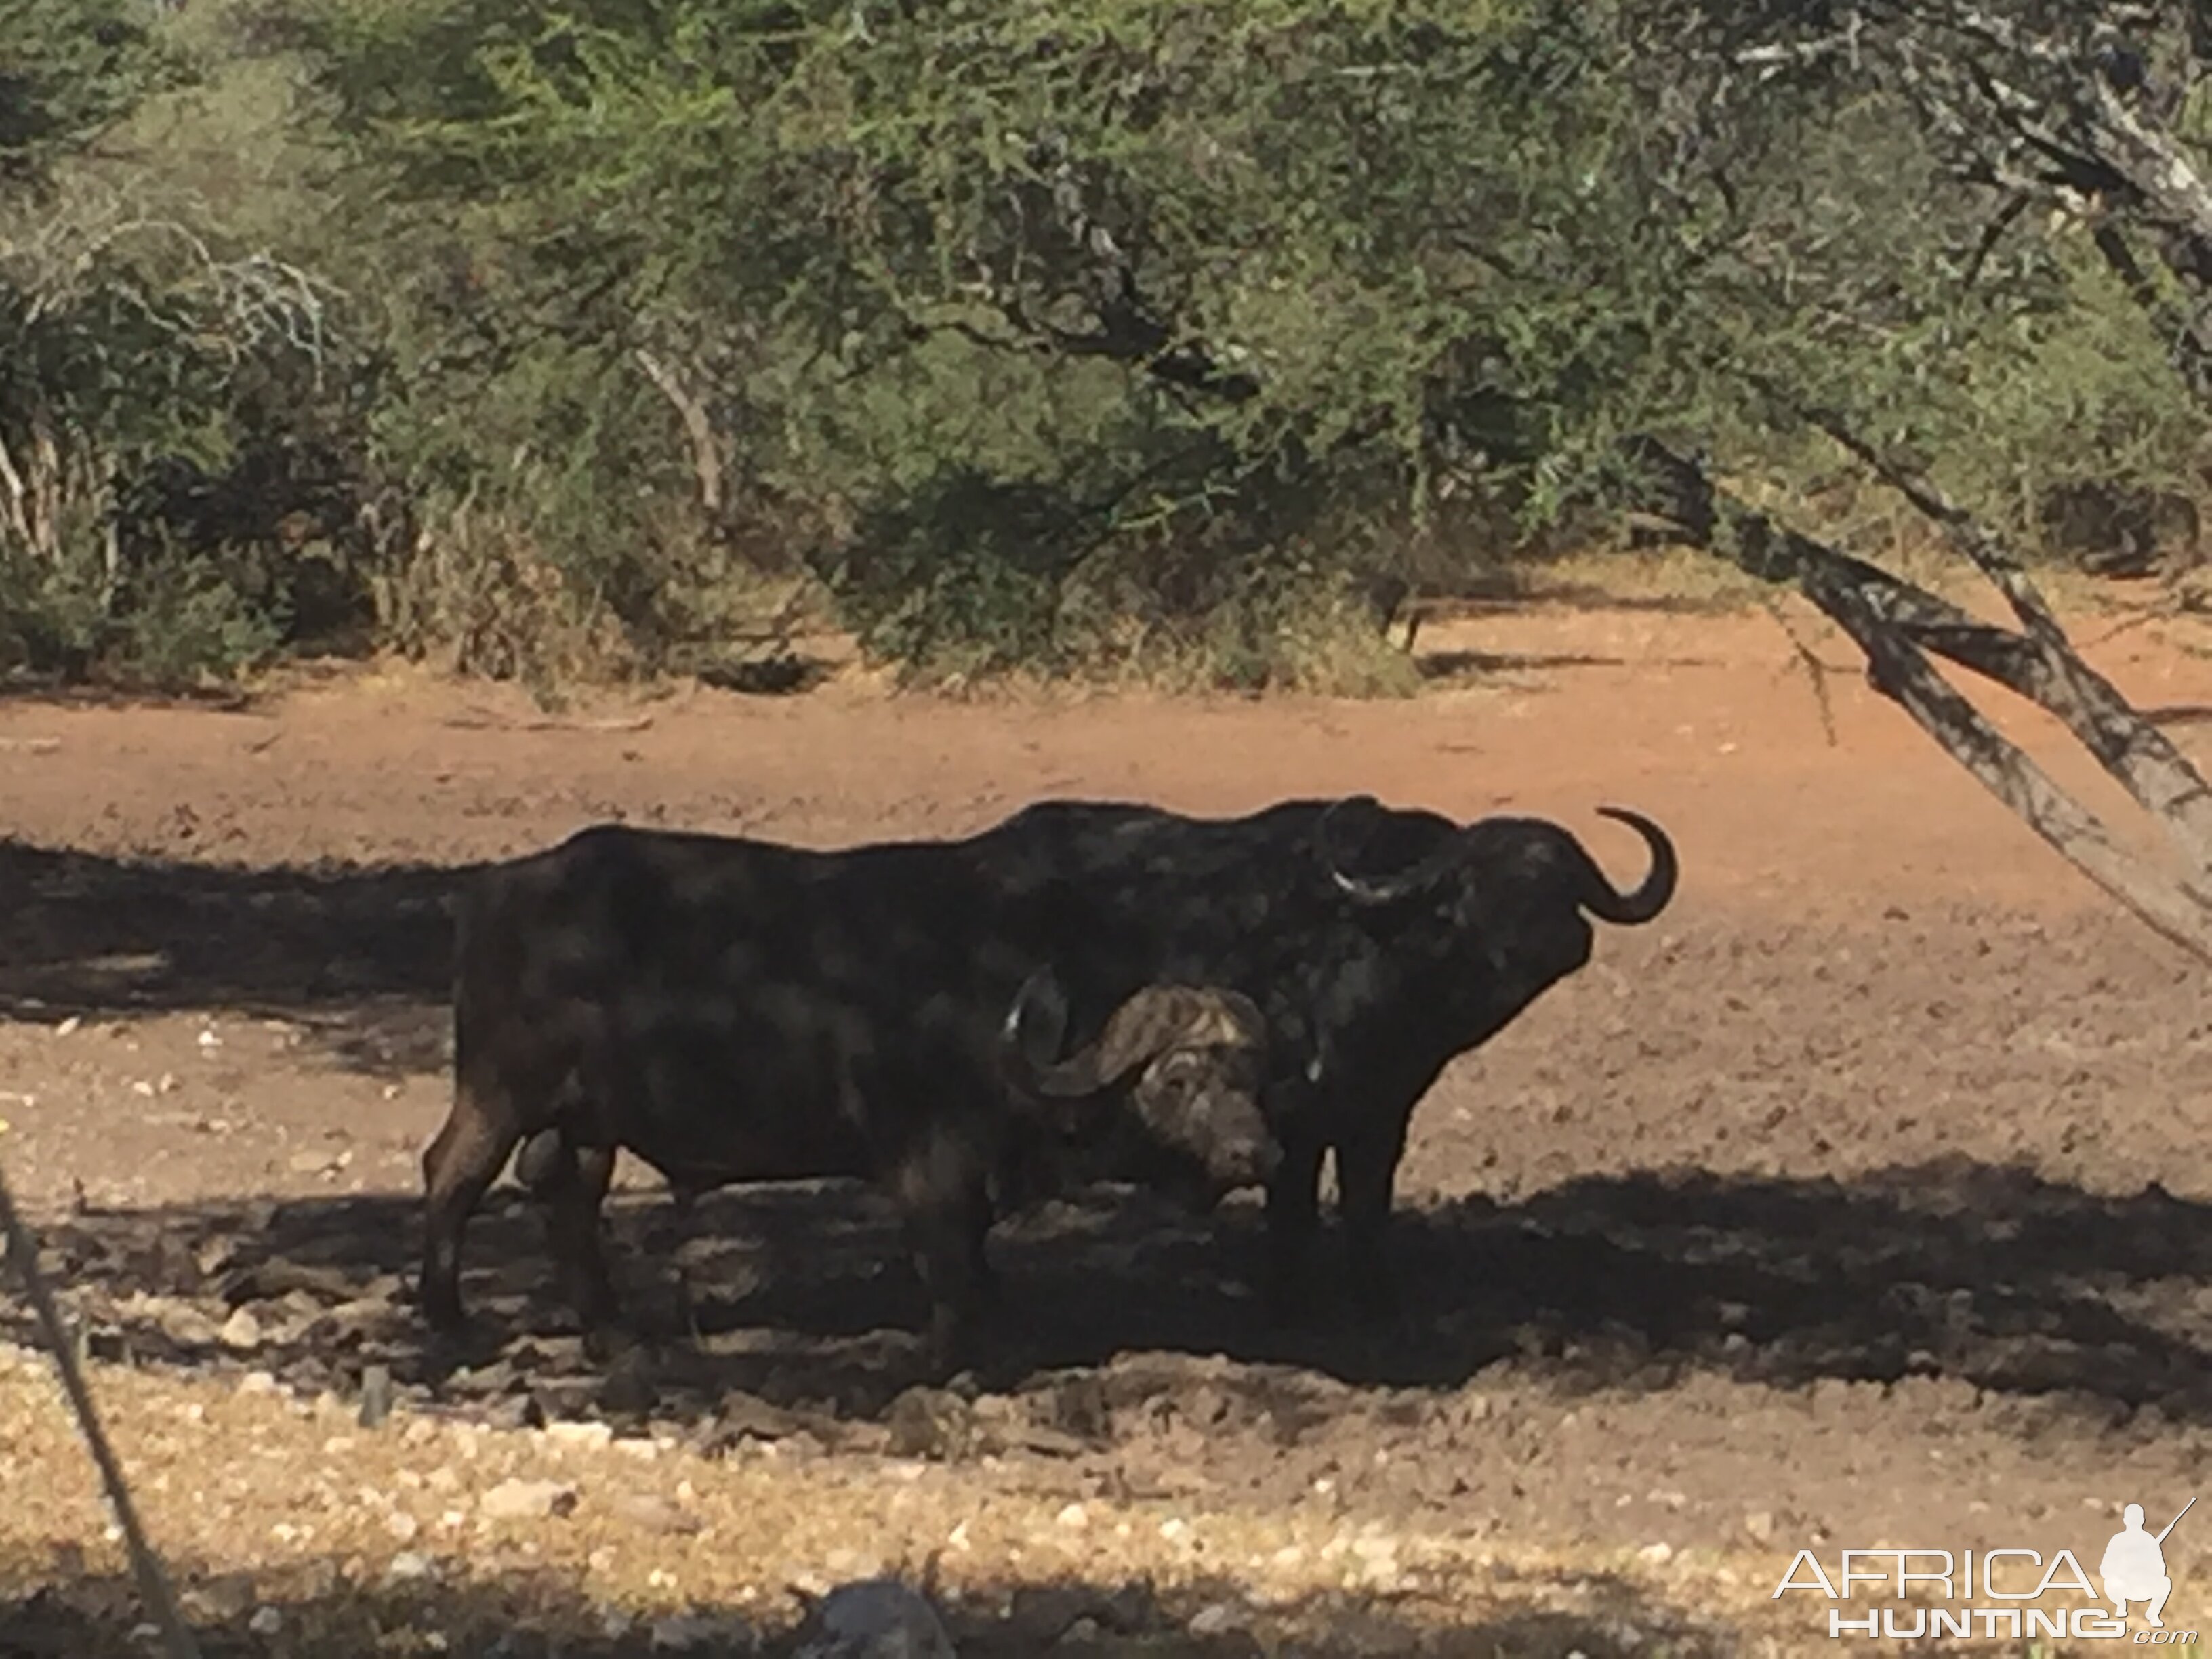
(2044, 666)
(1895, 623)
(154, 1586)
(493, 723)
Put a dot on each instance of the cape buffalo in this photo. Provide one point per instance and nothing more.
(1185, 1062)
(734, 1010)
(1378, 944)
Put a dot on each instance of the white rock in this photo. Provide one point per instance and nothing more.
(240, 1330)
(266, 1621)
(585, 1437)
(1214, 1620)
(526, 1500)
(1073, 1516)
(1658, 1555)
(407, 1566)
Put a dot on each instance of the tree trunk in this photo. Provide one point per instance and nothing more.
(1896, 624)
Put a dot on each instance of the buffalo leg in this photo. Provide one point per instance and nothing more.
(1293, 1212)
(576, 1186)
(945, 1229)
(458, 1166)
(1366, 1173)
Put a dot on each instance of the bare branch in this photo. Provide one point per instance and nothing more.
(698, 427)
(16, 505)
(1893, 622)
(2172, 909)
(1993, 233)
(2142, 758)
(154, 1586)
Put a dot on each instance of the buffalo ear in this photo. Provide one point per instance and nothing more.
(1244, 1014)
(1150, 1024)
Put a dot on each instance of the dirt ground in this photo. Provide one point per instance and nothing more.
(1859, 1201)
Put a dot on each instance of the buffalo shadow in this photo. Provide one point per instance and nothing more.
(795, 1301)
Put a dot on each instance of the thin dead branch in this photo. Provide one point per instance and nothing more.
(483, 722)
(1805, 659)
(698, 428)
(154, 1586)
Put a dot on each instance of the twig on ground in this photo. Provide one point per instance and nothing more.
(489, 722)
(2141, 618)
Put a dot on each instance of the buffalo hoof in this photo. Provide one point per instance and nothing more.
(441, 1310)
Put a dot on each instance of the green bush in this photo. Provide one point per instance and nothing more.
(1106, 339)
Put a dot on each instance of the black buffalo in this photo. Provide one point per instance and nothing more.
(734, 1010)
(1186, 1063)
(1378, 944)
